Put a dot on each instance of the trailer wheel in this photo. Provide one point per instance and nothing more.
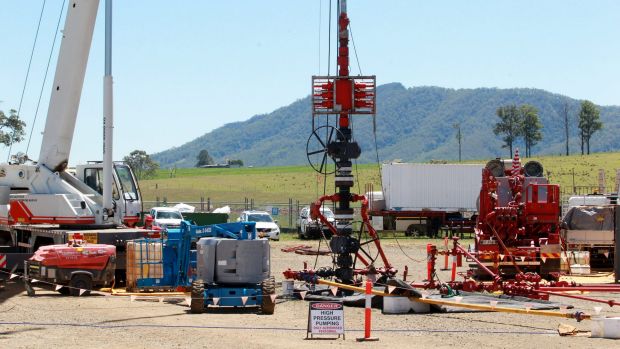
(268, 287)
(198, 297)
(412, 230)
(80, 282)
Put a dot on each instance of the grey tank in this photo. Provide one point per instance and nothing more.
(227, 261)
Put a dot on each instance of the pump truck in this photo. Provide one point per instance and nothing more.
(222, 264)
(41, 202)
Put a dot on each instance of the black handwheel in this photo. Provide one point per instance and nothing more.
(198, 297)
(268, 287)
(316, 149)
(80, 282)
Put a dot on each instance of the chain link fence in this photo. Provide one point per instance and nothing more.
(285, 213)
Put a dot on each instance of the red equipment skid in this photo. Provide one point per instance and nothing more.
(518, 227)
(77, 265)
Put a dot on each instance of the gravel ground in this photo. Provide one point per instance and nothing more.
(51, 320)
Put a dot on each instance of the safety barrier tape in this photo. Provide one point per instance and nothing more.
(266, 328)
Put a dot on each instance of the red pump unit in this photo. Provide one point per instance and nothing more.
(77, 266)
(518, 227)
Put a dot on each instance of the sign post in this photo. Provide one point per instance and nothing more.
(325, 318)
(367, 314)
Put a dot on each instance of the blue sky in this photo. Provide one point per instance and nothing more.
(184, 68)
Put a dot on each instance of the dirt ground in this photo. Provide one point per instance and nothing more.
(51, 320)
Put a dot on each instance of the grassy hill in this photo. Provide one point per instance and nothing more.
(412, 124)
(278, 184)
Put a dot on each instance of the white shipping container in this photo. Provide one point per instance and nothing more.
(435, 187)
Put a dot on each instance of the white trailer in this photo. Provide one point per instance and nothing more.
(420, 198)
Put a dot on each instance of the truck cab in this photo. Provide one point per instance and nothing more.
(125, 190)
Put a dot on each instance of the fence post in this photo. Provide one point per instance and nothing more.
(290, 212)
(165, 203)
(209, 204)
(202, 204)
(602, 186)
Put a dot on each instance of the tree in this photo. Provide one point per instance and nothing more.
(589, 123)
(509, 125)
(530, 127)
(204, 158)
(141, 164)
(11, 128)
(237, 162)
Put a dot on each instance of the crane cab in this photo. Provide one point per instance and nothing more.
(125, 191)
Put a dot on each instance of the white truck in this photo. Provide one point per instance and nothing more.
(308, 228)
(41, 203)
(421, 198)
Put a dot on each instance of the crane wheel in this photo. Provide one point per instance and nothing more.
(198, 297)
(268, 287)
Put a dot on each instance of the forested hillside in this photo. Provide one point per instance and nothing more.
(412, 124)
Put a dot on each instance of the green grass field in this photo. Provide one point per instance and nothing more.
(265, 184)
(278, 184)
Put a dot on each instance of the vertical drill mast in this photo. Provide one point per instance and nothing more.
(343, 95)
(348, 149)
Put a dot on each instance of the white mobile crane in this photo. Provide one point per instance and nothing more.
(42, 203)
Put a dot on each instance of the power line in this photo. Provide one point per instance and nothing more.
(49, 60)
(21, 99)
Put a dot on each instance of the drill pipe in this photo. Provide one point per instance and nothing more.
(578, 316)
(610, 302)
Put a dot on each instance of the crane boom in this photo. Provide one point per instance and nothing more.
(44, 193)
(68, 82)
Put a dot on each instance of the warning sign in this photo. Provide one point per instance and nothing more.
(326, 318)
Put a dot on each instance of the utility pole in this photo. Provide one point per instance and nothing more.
(459, 136)
(566, 128)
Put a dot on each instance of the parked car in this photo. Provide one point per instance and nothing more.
(266, 226)
(165, 217)
(308, 228)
